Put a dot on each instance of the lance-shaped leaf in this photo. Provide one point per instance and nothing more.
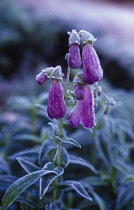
(6, 181)
(46, 180)
(20, 185)
(25, 137)
(46, 147)
(27, 166)
(4, 166)
(55, 129)
(27, 202)
(67, 140)
(125, 195)
(78, 160)
(78, 187)
(64, 159)
(30, 154)
(99, 201)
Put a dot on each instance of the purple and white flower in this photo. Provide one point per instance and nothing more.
(84, 110)
(92, 71)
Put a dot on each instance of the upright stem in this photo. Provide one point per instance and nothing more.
(59, 142)
(60, 135)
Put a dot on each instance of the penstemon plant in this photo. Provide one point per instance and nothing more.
(53, 156)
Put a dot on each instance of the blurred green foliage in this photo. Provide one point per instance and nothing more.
(108, 147)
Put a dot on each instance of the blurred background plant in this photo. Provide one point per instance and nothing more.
(33, 36)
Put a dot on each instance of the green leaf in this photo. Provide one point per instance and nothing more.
(129, 178)
(20, 185)
(6, 181)
(46, 180)
(55, 129)
(123, 197)
(46, 147)
(78, 187)
(26, 137)
(31, 153)
(96, 181)
(99, 201)
(4, 166)
(78, 160)
(27, 166)
(67, 140)
(42, 107)
(64, 159)
(27, 202)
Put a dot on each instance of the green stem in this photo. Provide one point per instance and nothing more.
(60, 135)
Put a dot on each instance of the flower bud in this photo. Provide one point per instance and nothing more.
(56, 104)
(41, 78)
(92, 71)
(74, 57)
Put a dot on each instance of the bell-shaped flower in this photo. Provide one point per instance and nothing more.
(74, 57)
(56, 104)
(84, 110)
(41, 78)
(92, 71)
(79, 91)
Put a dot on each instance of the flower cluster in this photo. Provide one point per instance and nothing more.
(92, 72)
(56, 103)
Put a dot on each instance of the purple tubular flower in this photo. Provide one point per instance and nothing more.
(79, 91)
(92, 71)
(84, 110)
(74, 57)
(41, 78)
(56, 104)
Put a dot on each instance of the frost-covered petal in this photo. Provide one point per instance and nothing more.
(92, 71)
(74, 57)
(56, 104)
(74, 116)
(41, 78)
(79, 91)
(87, 115)
(83, 112)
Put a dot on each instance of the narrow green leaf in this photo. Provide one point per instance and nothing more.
(55, 129)
(67, 140)
(78, 160)
(124, 196)
(96, 181)
(4, 166)
(27, 153)
(99, 201)
(27, 202)
(64, 159)
(46, 147)
(25, 137)
(42, 107)
(129, 178)
(6, 181)
(27, 166)
(19, 186)
(46, 180)
(78, 187)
